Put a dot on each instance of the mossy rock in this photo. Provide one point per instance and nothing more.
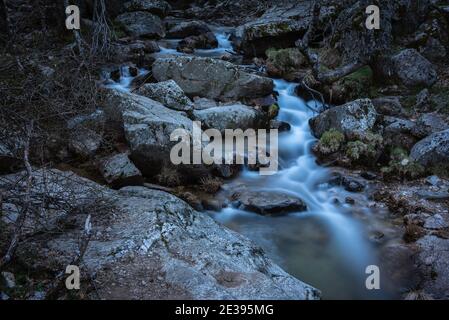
(282, 62)
(354, 86)
(331, 141)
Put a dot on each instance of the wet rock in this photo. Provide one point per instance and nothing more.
(434, 256)
(397, 263)
(280, 125)
(119, 171)
(389, 106)
(268, 202)
(353, 119)
(429, 123)
(186, 29)
(203, 41)
(211, 78)
(157, 238)
(157, 7)
(368, 175)
(141, 24)
(168, 93)
(433, 150)
(409, 68)
(235, 116)
(350, 184)
(3, 296)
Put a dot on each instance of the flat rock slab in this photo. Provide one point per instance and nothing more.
(269, 202)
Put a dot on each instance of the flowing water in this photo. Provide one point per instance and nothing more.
(326, 246)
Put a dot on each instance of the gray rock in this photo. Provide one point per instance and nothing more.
(185, 29)
(353, 119)
(168, 93)
(157, 7)
(211, 78)
(203, 103)
(268, 202)
(236, 116)
(429, 123)
(436, 222)
(423, 100)
(433, 150)
(434, 256)
(157, 247)
(398, 132)
(119, 171)
(10, 280)
(86, 133)
(278, 27)
(142, 24)
(148, 126)
(389, 106)
(203, 41)
(410, 68)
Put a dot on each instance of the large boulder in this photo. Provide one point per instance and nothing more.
(186, 29)
(278, 27)
(433, 150)
(168, 93)
(148, 131)
(268, 202)
(149, 244)
(141, 24)
(408, 67)
(157, 7)
(235, 116)
(211, 78)
(119, 171)
(353, 119)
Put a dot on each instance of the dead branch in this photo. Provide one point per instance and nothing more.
(26, 204)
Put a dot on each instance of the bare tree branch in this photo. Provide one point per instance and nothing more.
(312, 58)
(25, 207)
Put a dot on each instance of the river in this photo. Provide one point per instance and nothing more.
(327, 246)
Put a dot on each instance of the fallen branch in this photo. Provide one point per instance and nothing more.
(20, 221)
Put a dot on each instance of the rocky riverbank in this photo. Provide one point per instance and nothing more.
(97, 143)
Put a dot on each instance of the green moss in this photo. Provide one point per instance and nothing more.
(355, 150)
(273, 111)
(402, 166)
(286, 60)
(441, 170)
(355, 85)
(331, 141)
(367, 148)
